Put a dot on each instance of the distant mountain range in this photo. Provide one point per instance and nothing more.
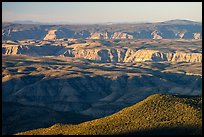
(25, 22)
(69, 23)
(36, 22)
(180, 21)
(172, 29)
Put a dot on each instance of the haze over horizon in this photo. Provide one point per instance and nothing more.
(100, 12)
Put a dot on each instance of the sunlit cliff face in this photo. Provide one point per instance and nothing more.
(91, 72)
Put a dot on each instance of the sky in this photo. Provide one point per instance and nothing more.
(101, 12)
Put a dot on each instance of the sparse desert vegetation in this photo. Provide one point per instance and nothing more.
(157, 114)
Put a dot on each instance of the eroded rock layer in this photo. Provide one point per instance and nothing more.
(95, 89)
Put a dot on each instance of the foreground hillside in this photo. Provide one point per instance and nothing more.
(157, 114)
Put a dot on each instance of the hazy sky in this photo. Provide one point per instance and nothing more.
(99, 12)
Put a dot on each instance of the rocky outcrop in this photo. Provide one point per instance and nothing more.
(51, 35)
(115, 35)
(156, 35)
(100, 55)
(184, 57)
(121, 35)
(196, 35)
(130, 55)
(103, 54)
(11, 49)
(144, 55)
(99, 35)
(156, 56)
(46, 50)
(180, 34)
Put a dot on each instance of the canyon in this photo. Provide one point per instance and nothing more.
(93, 88)
(110, 51)
(94, 71)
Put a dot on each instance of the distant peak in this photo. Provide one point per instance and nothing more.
(175, 21)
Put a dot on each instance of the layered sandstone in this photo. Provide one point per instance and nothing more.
(156, 35)
(121, 35)
(99, 35)
(104, 54)
(196, 35)
(51, 35)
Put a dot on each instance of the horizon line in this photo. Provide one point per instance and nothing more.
(89, 23)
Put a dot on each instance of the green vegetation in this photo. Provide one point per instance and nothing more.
(178, 114)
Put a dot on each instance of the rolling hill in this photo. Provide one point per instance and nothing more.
(157, 114)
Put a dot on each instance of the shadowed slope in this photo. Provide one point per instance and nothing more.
(157, 114)
(18, 118)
